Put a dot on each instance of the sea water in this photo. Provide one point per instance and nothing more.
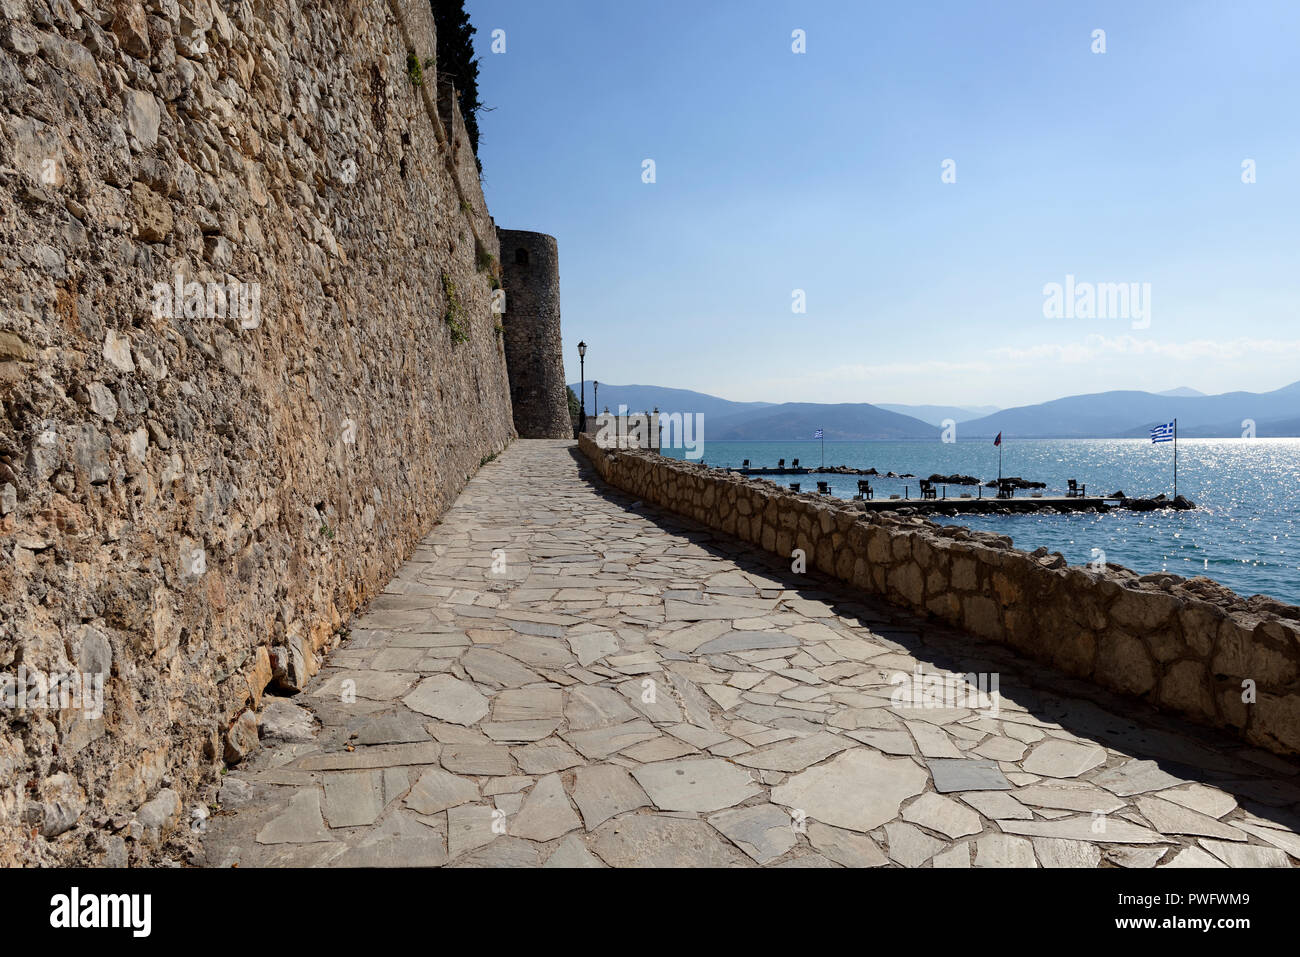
(1244, 533)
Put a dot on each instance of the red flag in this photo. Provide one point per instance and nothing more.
(998, 440)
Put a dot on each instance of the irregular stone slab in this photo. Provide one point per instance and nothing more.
(1169, 818)
(997, 805)
(845, 847)
(653, 698)
(469, 826)
(494, 669)
(890, 742)
(693, 701)
(955, 857)
(592, 647)
(602, 791)
(1135, 777)
(547, 756)
(392, 729)
(1055, 758)
(1000, 850)
(1088, 799)
(1117, 830)
(695, 784)
(858, 790)
(503, 852)
(595, 707)
(468, 758)
(746, 641)
(1245, 855)
(966, 775)
(515, 732)
(795, 755)
(546, 813)
(763, 832)
(909, 846)
(675, 610)
(353, 798)
(538, 652)
(647, 840)
(663, 748)
(379, 756)
(400, 841)
(371, 685)
(571, 852)
(300, 823)
(447, 698)
(599, 743)
(1138, 858)
(1200, 797)
(938, 813)
(437, 790)
(1001, 749)
(1286, 840)
(527, 704)
(932, 741)
(1056, 852)
(1193, 857)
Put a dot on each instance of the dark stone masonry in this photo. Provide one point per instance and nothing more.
(531, 276)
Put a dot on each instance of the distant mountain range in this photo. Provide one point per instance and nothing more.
(1120, 414)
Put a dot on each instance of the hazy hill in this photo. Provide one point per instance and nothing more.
(1125, 413)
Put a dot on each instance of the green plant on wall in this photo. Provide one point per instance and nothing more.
(454, 317)
(415, 69)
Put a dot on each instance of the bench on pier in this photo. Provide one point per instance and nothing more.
(780, 463)
(794, 486)
(1006, 489)
(1076, 490)
(823, 488)
(864, 490)
(794, 464)
(927, 489)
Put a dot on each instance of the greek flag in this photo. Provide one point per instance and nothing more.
(817, 434)
(1163, 433)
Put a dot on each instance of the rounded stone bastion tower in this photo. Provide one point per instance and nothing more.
(530, 275)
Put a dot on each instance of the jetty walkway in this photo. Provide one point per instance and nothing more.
(563, 676)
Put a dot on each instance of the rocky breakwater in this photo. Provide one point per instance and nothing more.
(1188, 646)
(247, 358)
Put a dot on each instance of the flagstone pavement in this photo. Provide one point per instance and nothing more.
(562, 676)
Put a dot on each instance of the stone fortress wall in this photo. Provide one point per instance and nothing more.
(1183, 645)
(192, 501)
(530, 265)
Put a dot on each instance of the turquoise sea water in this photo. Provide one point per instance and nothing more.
(1245, 533)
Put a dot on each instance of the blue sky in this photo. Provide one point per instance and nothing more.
(821, 171)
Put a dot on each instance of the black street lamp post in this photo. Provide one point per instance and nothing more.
(582, 371)
(595, 396)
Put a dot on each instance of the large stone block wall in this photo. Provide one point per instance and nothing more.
(193, 504)
(530, 267)
(1189, 646)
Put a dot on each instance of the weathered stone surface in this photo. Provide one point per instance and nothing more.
(300, 823)
(942, 814)
(436, 790)
(762, 831)
(602, 791)
(695, 784)
(449, 699)
(845, 847)
(1063, 759)
(642, 840)
(546, 813)
(858, 790)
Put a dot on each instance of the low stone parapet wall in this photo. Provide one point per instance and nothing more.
(1189, 646)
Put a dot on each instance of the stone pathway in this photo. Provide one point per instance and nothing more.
(561, 676)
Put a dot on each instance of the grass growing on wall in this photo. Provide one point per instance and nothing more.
(454, 317)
